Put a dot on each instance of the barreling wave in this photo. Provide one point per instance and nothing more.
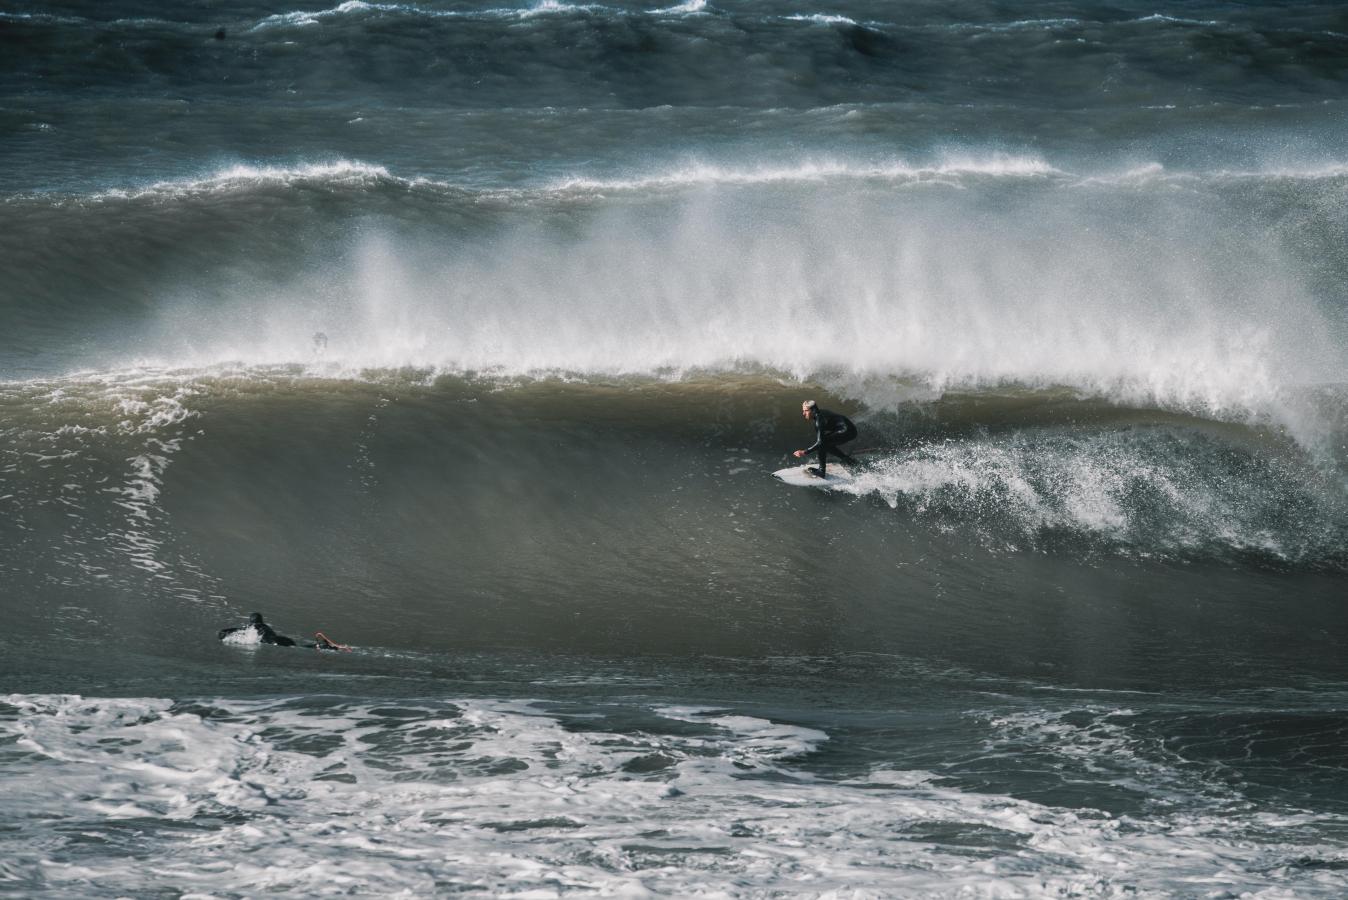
(181, 484)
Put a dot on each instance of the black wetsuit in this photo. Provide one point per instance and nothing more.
(830, 430)
(268, 635)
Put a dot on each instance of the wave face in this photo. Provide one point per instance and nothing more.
(471, 333)
(539, 499)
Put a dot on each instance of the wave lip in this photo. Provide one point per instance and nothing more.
(688, 8)
(703, 173)
(245, 176)
(1329, 170)
(354, 172)
(553, 7)
(952, 169)
(301, 19)
(821, 19)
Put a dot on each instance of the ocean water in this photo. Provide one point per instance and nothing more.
(470, 333)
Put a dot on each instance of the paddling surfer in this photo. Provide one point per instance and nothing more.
(830, 430)
(267, 635)
(264, 632)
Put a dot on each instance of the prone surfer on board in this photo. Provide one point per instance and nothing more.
(267, 635)
(264, 631)
(830, 430)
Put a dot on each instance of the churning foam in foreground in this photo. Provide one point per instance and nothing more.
(499, 798)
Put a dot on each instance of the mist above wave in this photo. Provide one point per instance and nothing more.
(1147, 295)
(965, 269)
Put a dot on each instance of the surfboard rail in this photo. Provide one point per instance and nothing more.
(837, 475)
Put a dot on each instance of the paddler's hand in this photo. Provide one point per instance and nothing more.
(798, 454)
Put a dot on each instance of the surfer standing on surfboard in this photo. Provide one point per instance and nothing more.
(830, 430)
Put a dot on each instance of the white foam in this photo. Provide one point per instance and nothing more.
(1110, 486)
(1172, 20)
(348, 7)
(243, 176)
(688, 8)
(998, 27)
(817, 170)
(497, 798)
(553, 7)
(821, 19)
(243, 637)
(142, 418)
(540, 8)
(1273, 170)
(45, 18)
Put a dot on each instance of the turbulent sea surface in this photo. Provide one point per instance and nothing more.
(470, 334)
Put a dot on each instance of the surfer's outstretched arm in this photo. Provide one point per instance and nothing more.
(323, 642)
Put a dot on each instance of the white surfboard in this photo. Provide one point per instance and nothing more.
(838, 476)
